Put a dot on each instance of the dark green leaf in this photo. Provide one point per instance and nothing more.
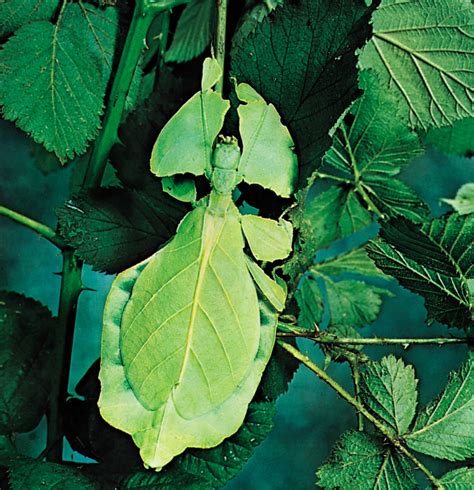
(54, 90)
(112, 229)
(444, 428)
(360, 460)
(389, 390)
(310, 75)
(193, 32)
(16, 13)
(31, 474)
(310, 302)
(373, 148)
(422, 52)
(435, 260)
(459, 479)
(27, 332)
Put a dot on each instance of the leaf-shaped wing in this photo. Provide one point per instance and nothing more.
(184, 351)
(268, 158)
(185, 143)
(268, 239)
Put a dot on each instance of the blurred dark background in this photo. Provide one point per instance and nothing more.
(310, 416)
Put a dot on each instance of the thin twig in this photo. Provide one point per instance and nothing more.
(43, 230)
(360, 408)
(356, 379)
(323, 338)
(220, 39)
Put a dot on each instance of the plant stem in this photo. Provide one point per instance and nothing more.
(71, 286)
(43, 230)
(359, 407)
(220, 39)
(135, 42)
(356, 378)
(328, 339)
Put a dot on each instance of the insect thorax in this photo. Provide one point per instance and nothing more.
(225, 163)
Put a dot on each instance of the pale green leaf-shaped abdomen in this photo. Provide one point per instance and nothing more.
(191, 329)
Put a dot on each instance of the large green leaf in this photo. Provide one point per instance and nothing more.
(54, 90)
(16, 13)
(459, 479)
(360, 460)
(389, 390)
(112, 229)
(444, 428)
(27, 332)
(435, 260)
(371, 150)
(211, 360)
(193, 31)
(31, 474)
(423, 53)
(310, 75)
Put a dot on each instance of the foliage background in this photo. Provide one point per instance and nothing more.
(310, 417)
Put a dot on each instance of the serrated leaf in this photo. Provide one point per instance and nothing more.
(16, 13)
(167, 481)
(31, 474)
(321, 219)
(458, 479)
(371, 150)
(54, 91)
(456, 139)
(355, 261)
(422, 52)
(443, 429)
(309, 76)
(463, 203)
(360, 460)
(435, 261)
(193, 31)
(353, 302)
(112, 229)
(27, 331)
(204, 406)
(389, 390)
(310, 303)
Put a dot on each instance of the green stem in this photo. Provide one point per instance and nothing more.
(356, 378)
(43, 230)
(360, 409)
(134, 44)
(71, 286)
(220, 39)
(329, 339)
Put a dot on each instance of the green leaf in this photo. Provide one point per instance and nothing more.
(193, 32)
(310, 302)
(151, 480)
(269, 240)
(112, 229)
(321, 219)
(267, 144)
(422, 52)
(31, 474)
(389, 390)
(372, 149)
(181, 187)
(27, 331)
(435, 261)
(360, 460)
(355, 261)
(210, 364)
(463, 203)
(16, 13)
(353, 302)
(185, 144)
(310, 76)
(444, 428)
(54, 91)
(458, 479)
(455, 139)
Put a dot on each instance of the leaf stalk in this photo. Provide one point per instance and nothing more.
(220, 40)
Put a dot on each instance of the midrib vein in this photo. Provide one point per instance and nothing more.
(208, 233)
